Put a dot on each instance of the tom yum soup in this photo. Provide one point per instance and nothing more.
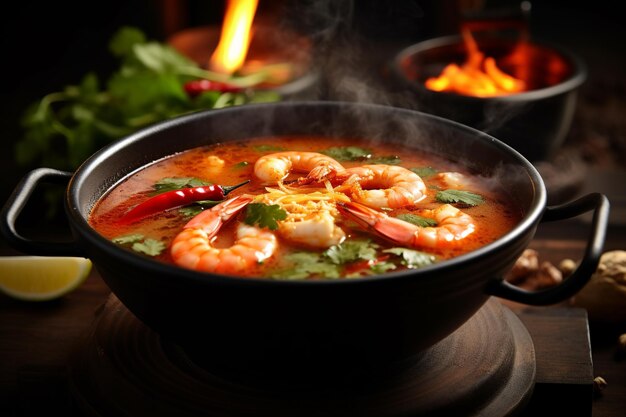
(303, 208)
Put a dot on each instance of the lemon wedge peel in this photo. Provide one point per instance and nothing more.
(41, 278)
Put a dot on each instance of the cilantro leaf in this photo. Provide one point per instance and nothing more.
(126, 239)
(268, 148)
(382, 267)
(347, 153)
(264, 215)
(123, 41)
(150, 247)
(161, 58)
(197, 207)
(387, 160)
(459, 196)
(177, 183)
(355, 153)
(412, 258)
(190, 211)
(351, 251)
(302, 265)
(139, 243)
(63, 128)
(417, 220)
(424, 172)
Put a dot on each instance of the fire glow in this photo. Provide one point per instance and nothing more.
(479, 76)
(232, 49)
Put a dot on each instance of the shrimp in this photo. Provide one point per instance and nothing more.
(317, 230)
(214, 165)
(193, 249)
(379, 186)
(456, 180)
(277, 166)
(452, 225)
(310, 219)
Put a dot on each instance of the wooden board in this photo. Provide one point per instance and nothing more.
(564, 380)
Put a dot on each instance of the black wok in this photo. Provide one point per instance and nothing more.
(266, 327)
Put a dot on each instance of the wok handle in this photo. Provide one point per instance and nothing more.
(575, 282)
(16, 203)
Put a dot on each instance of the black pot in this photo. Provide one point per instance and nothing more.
(261, 325)
(534, 122)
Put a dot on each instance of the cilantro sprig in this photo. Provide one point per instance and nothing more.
(302, 265)
(65, 127)
(264, 215)
(417, 220)
(140, 243)
(412, 258)
(347, 153)
(351, 259)
(176, 183)
(352, 251)
(424, 172)
(452, 196)
(355, 153)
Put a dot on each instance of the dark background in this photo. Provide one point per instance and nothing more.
(48, 45)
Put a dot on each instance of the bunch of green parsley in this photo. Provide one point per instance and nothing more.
(64, 128)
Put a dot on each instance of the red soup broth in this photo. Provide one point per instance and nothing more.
(233, 162)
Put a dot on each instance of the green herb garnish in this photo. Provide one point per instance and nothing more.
(387, 160)
(302, 265)
(196, 208)
(352, 251)
(355, 153)
(424, 172)
(412, 258)
(459, 196)
(382, 267)
(175, 183)
(347, 153)
(268, 148)
(139, 243)
(128, 239)
(417, 220)
(190, 211)
(65, 127)
(150, 247)
(264, 215)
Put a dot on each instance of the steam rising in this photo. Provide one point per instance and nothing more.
(354, 56)
(351, 63)
(355, 68)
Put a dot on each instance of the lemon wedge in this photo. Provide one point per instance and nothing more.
(39, 278)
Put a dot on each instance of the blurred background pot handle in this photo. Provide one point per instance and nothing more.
(599, 204)
(16, 203)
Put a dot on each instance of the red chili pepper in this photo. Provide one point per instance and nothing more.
(195, 87)
(177, 198)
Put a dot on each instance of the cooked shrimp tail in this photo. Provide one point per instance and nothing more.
(319, 173)
(210, 221)
(452, 225)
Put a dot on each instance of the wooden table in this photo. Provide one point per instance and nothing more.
(36, 339)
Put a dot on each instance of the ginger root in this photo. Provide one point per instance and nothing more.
(604, 296)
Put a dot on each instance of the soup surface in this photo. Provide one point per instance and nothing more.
(312, 208)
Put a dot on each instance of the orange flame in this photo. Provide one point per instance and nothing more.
(478, 76)
(232, 49)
